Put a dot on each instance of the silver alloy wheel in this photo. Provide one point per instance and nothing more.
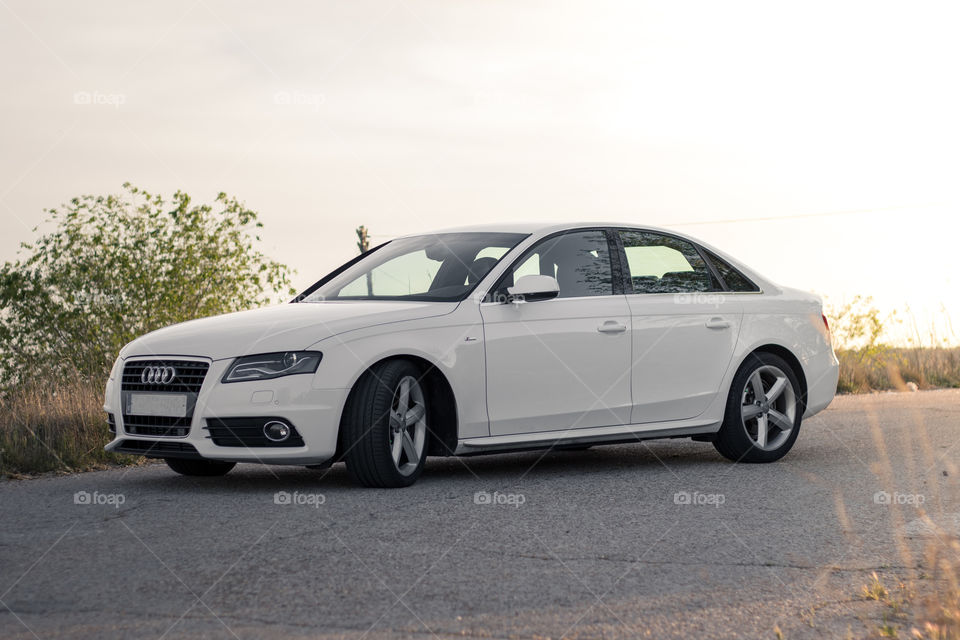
(768, 407)
(408, 425)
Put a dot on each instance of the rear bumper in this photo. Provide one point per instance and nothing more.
(822, 386)
(314, 412)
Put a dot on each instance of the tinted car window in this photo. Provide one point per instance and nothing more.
(734, 280)
(438, 267)
(579, 260)
(663, 264)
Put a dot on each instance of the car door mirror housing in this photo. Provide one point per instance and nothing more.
(533, 288)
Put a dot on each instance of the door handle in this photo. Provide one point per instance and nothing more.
(718, 323)
(612, 326)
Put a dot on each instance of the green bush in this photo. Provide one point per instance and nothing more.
(118, 266)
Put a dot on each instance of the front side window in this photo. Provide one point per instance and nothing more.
(659, 263)
(579, 260)
(443, 267)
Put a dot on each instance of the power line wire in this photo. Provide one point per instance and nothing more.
(822, 214)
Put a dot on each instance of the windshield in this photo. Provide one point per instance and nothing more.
(443, 267)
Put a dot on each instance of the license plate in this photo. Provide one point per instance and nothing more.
(155, 404)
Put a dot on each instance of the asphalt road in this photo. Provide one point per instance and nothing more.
(589, 544)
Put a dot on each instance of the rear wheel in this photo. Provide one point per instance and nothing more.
(200, 467)
(764, 410)
(385, 432)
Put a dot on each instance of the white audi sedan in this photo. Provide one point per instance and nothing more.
(483, 340)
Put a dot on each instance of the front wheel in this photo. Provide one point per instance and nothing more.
(764, 410)
(200, 467)
(385, 432)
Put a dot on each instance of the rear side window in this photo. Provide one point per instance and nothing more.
(663, 264)
(734, 280)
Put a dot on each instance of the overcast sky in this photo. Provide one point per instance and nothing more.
(840, 119)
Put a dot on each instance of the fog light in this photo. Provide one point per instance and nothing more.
(276, 431)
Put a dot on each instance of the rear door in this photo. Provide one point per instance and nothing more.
(684, 326)
(562, 363)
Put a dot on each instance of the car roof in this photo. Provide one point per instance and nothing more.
(538, 228)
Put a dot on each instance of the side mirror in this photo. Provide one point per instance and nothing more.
(533, 288)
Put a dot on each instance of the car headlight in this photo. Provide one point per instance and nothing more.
(267, 366)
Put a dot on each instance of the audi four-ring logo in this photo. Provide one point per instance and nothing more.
(158, 375)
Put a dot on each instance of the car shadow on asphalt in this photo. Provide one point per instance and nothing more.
(601, 461)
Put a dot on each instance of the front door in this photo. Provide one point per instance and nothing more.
(562, 363)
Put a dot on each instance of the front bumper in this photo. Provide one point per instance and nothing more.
(314, 412)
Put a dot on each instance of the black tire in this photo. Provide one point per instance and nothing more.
(207, 468)
(736, 440)
(369, 428)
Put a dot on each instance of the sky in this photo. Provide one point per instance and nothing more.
(817, 142)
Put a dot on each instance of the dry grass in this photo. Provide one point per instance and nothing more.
(892, 368)
(863, 339)
(42, 430)
(939, 615)
(924, 603)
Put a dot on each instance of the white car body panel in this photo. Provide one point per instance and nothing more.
(681, 352)
(278, 328)
(522, 375)
(441, 341)
(549, 365)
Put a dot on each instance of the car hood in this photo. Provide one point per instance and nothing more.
(284, 327)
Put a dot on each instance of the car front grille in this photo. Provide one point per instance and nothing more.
(168, 426)
(187, 378)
